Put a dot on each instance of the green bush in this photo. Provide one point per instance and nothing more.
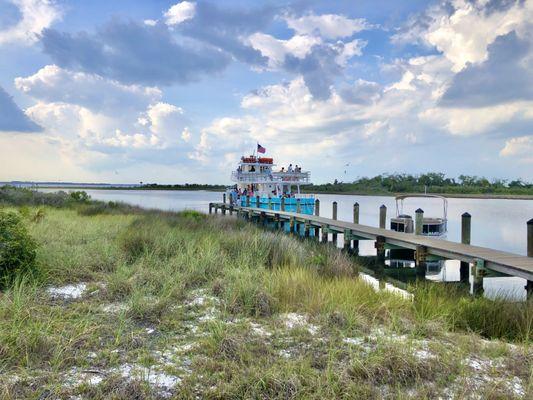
(80, 196)
(17, 248)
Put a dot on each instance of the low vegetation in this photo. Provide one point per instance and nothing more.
(126, 303)
(430, 183)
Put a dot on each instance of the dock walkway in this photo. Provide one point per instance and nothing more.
(496, 260)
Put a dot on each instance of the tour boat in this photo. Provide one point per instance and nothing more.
(431, 226)
(256, 178)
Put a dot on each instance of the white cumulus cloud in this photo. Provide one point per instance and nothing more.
(519, 147)
(35, 15)
(180, 12)
(54, 84)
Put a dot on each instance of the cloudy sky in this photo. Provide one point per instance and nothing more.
(162, 91)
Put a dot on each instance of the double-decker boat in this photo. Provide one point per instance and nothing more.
(259, 184)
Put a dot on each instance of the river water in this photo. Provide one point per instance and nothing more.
(496, 223)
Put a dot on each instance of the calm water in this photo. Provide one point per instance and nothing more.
(496, 223)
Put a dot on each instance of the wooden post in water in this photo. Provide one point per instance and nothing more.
(223, 209)
(282, 204)
(291, 225)
(257, 201)
(380, 250)
(317, 213)
(355, 243)
(334, 234)
(529, 284)
(466, 223)
(383, 216)
(210, 208)
(216, 209)
(421, 253)
(324, 233)
(247, 200)
(298, 211)
(277, 223)
(224, 198)
(347, 237)
(478, 272)
(307, 225)
(231, 209)
(419, 220)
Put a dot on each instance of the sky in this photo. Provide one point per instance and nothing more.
(127, 91)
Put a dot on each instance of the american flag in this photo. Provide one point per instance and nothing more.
(261, 149)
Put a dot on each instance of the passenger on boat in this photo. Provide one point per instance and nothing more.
(290, 169)
(282, 169)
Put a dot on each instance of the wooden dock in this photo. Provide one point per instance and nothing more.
(480, 257)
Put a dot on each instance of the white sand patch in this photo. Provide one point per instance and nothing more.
(68, 292)
(354, 341)
(159, 380)
(285, 353)
(380, 333)
(294, 320)
(516, 386)
(76, 377)
(115, 308)
(259, 330)
(201, 297)
(210, 314)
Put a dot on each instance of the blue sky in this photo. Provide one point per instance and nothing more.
(166, 91)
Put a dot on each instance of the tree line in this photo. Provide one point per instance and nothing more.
(432, 182)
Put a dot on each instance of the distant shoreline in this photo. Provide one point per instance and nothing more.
(494, 196)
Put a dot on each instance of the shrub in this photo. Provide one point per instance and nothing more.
(17, 248)
(80, 196)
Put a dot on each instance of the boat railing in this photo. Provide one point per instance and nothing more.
(300, 177)
(276, 177)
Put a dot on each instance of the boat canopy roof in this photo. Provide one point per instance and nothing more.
(402, 197)
(405, 196)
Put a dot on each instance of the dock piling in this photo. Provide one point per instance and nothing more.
(419, 219)
(421, 253)
(380, 250)
(529, 284)
(355, 243)
(247, 200)
(224, 198)
(210, 208)
(282, 204)
(269, 202)
(257, 201)
(530, 238)
(334, 235)
(383, 216)
(324, 234)
(317, 213)
(466, 222)
(347, 237)
(478, 273)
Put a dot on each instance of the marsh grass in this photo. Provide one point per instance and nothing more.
(164, 271)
